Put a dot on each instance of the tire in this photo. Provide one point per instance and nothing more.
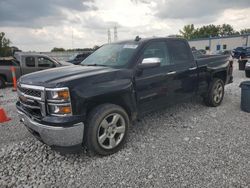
(103, 137)
(2, 82)
(215, 93)
(247, 74)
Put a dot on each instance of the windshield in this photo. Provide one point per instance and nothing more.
(72, 57)
(111, 55)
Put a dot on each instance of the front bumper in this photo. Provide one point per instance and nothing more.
(54, 136)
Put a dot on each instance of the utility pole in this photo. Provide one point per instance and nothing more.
(115, 34)
(72, 39)
(109, 36)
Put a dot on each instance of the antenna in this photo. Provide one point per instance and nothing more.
(115, 34)
(72, 39)
(109, 36)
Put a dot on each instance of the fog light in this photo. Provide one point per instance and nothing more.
(64, 109)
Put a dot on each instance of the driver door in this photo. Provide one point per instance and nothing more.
(153, 84)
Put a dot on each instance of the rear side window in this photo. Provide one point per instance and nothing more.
(30, 62)
(179, 51)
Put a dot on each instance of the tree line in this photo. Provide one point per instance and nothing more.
(5, 49)
(75, 49)
(190, 32)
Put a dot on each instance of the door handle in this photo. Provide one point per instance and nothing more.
(192, 68)
(170, 73)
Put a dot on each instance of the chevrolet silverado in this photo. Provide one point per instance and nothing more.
(94, 103)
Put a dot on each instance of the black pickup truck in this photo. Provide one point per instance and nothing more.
(94, 103)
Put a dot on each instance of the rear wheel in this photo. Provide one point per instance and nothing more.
(2, 82)
(106, 129)
(247, 74)
(215, 93)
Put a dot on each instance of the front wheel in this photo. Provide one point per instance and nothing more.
(106, 129)
(215, 93)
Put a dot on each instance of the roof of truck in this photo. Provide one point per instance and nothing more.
(142, 40)
(30, 54)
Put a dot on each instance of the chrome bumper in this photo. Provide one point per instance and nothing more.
(54, 136)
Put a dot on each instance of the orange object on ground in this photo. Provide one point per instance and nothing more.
(13, 71)
(3, 116)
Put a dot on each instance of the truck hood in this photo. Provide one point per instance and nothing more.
(61, 76)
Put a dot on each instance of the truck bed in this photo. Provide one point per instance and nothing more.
(211, 65)
(213, 60)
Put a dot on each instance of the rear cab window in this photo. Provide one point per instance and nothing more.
(30, 61)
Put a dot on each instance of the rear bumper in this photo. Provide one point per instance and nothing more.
(54, 136)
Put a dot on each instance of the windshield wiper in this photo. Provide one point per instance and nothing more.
(95, 65)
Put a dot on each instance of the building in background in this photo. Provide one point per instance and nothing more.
(217, 44)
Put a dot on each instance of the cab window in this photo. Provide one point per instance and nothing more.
(157, 50)
(45, 62)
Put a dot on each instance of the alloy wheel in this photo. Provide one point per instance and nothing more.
(111, 131)
(218, 92)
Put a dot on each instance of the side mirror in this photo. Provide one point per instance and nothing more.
(150, 63)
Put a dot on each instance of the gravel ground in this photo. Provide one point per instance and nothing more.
(188, 145)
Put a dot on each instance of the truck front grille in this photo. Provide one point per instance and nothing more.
(31, 99)
(30, 92)
(32, 104)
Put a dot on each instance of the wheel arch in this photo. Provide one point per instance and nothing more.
(126, 101)
(221, 75)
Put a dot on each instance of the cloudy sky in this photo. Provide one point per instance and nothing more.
(41, 25)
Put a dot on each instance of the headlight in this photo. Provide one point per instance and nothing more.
(59, 94)
(58, 101)
(62, 109)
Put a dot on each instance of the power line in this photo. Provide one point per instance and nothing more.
(109, 36)
(72, 39)
(115, 34)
